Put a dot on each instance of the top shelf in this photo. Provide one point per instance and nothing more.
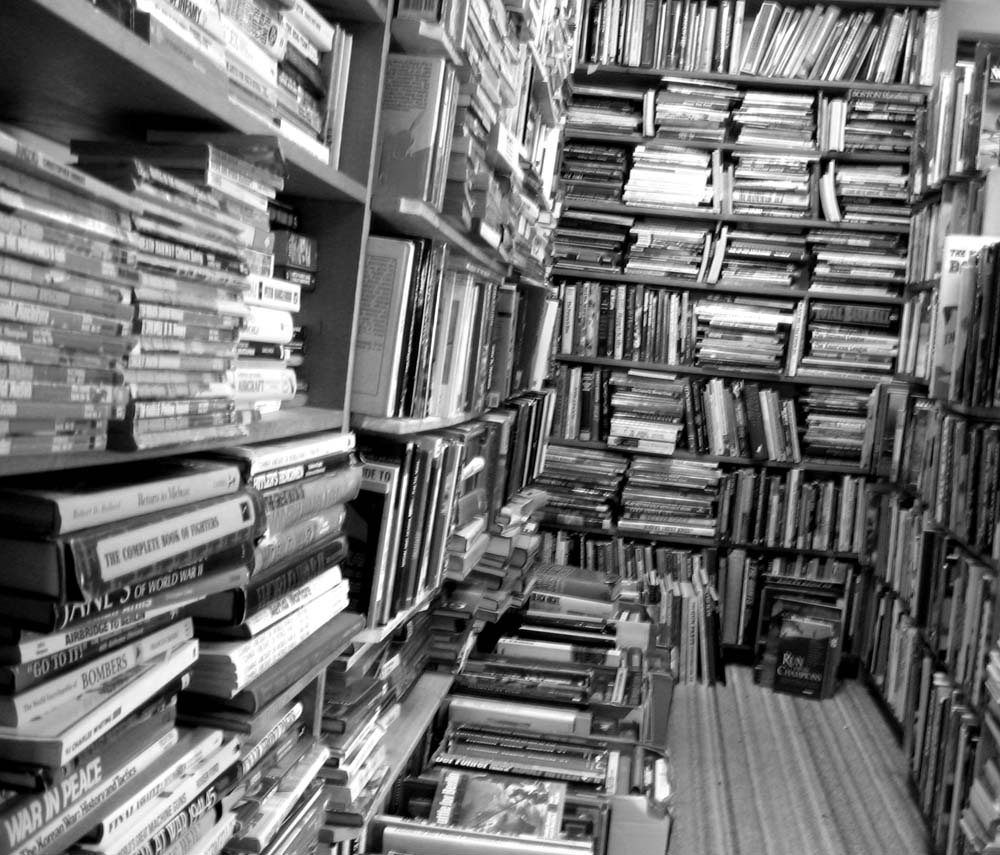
(629, 76)
(94, 77)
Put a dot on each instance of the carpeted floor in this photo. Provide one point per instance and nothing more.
(760, 773)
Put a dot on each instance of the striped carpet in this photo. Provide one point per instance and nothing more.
(760, 773)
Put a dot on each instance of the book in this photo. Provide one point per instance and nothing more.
(59, 736)
(499, 804)
(93, 562)
(58, 503)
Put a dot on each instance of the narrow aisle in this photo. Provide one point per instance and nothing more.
(761, 773)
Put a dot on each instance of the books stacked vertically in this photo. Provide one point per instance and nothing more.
(851, 340)
(694, 110)
(582, 486)
(312, 81)
(758, 258)
(668, 496)
(859, 263)
(671, 250)
(94, 648)
(396, 541)
(771, 186)
(742, 332)
(65, 321)
(590, 171)
(603, 108)
(416, 134)
(838, 424)
(647, 411)
(586, 240)
(766, 118)
(671, 177)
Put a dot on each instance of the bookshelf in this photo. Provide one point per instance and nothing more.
(669, 211)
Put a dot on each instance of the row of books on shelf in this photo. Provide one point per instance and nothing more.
(149, 293)
(659, 413)
(687, 111)
(725, 256)
(439, 335)
(677, 180)
(823, 42)
(288, 65)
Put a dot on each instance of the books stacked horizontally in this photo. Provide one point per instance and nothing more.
(590, 171)
(194, 249)
(671, 250)
(858, 263)
(760, 258)
(873, 194)
(694, 110)
(838, 424)
(851, 340)
(776, 119)
(95, 648)
(586, 240)
(605, 109)
(671, 177)
(582, 486)
(68, 267)
(669, 496)
(647, 411)
(692, 627)
(880, 121)
(771, 186)
(742, 332)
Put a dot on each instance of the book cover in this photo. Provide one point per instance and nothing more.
(499, 804)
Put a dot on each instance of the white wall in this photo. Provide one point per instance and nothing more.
(966, 19)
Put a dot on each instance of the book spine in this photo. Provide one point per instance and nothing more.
(312, 24)
(273, 293)
(255, 753)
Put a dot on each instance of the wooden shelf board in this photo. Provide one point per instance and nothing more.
(698, 371)
(377, 634)
(720, 287)
(402, 427)
(94, 76)
(280, 425)
(426, 38)
(798, 223)
(734, 147)
(415, 217)
(594, 72)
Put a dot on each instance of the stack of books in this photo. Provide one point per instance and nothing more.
(758, 258)
(670, 177)
(590, 171)
(851, 340)
(873, 194)
(588, 241)
(880, 121)
(96, 649)
(669, 496)
(775, 119)
(854, 263)
(582, 486)
(694, 110)
(838, 424)
(771, 186)
(605, 109)
(646, 411)
(69, 265)
(673, 250)
(742, 332)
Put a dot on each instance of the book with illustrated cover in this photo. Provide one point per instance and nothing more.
(499, 804)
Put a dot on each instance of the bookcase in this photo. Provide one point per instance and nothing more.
(731, 256)
(107, 73)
